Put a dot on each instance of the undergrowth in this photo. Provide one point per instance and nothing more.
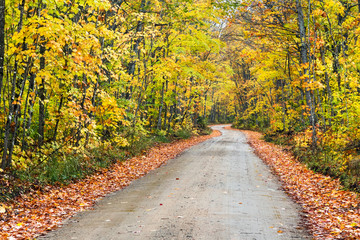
(336, 161)
(63, 169)
(335, 158)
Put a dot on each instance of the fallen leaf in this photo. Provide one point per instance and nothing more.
(329, 210)
(2, 209)
(52, 204)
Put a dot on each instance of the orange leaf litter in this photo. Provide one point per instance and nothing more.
(330, 213)
(36, 213)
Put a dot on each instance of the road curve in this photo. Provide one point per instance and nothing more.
(218, 189)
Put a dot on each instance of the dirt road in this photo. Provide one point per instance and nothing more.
(216, 190)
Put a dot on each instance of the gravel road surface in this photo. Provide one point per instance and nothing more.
(218, 189)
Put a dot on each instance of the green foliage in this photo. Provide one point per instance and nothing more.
(201, 123)
(65, 169)
(336, 160)
(62, 171)
(162, 136)
(183, 133)
(251, 123)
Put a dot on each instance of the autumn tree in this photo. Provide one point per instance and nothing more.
(296, 73)
(79, 76)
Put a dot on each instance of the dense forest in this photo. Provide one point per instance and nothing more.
(82, 78)
(296, 69)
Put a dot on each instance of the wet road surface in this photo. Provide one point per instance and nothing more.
(218, 189)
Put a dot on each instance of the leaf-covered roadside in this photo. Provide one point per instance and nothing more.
(37, 212)
(331, 213)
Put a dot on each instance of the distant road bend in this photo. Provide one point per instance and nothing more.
(218, 189)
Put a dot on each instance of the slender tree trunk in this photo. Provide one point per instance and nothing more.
(135, 47)
(140, 99)
(132, 64)
(27, 122)
(304, 48)
(58, 117)
(170, 118)
(32, 101)
(9, 126)
(161, 107)
(205, 99)
(284, 108)
(328, 88)
(166, 106)
(41, 98)
(21, 8)
(2, 42)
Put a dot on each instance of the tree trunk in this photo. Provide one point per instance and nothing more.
(158, 127)
(2, 42)
(41, 98)
(304, 59)
(9, 126)
(166, 106)
(58, 117)
(205, 99)
(30, 102)
(328, 87)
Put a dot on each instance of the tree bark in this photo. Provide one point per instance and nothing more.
(304, 60)
(41, 99)
(6, 161)
(2, 42)
(161, 107)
